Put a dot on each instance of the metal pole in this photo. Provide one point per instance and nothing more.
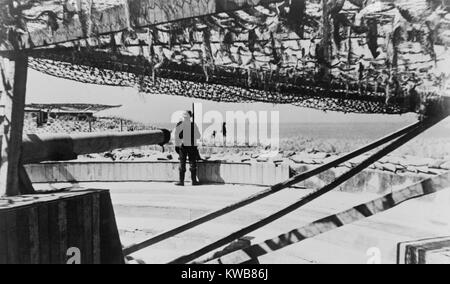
(193, 126)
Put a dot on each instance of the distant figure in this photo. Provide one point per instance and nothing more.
(214, 134)
(186, 134)
(224, 133)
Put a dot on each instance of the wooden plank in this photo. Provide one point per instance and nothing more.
(96, 249)
(54, 233)
(14, 82)
(42, 231)
(87, 240)
(33, 222)
(58, 232)
(62, 230)
(3, 240)
(11, 232)
(44, 237)
(74, 225)
(17, 202)
(23, 236)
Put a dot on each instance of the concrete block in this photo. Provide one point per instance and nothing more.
(430, 251)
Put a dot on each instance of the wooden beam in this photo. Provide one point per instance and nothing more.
(326, 41)
(14, 73)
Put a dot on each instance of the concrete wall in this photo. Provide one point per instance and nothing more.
(264, 174)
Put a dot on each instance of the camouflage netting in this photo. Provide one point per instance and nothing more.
(351, 56)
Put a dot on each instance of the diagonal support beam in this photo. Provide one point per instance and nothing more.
(330, 223)
(311, 197)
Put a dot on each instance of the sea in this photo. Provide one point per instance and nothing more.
(346, 130)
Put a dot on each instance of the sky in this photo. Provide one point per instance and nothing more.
(150, 108)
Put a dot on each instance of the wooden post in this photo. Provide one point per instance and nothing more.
(326, 42)
(14, 73)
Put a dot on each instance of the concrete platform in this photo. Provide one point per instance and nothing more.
(145, 209)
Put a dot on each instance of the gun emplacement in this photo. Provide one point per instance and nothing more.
(63, 147)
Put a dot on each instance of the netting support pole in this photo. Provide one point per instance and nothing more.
(14, 72)
(326, 42)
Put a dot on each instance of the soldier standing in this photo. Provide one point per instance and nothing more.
(186, 135)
